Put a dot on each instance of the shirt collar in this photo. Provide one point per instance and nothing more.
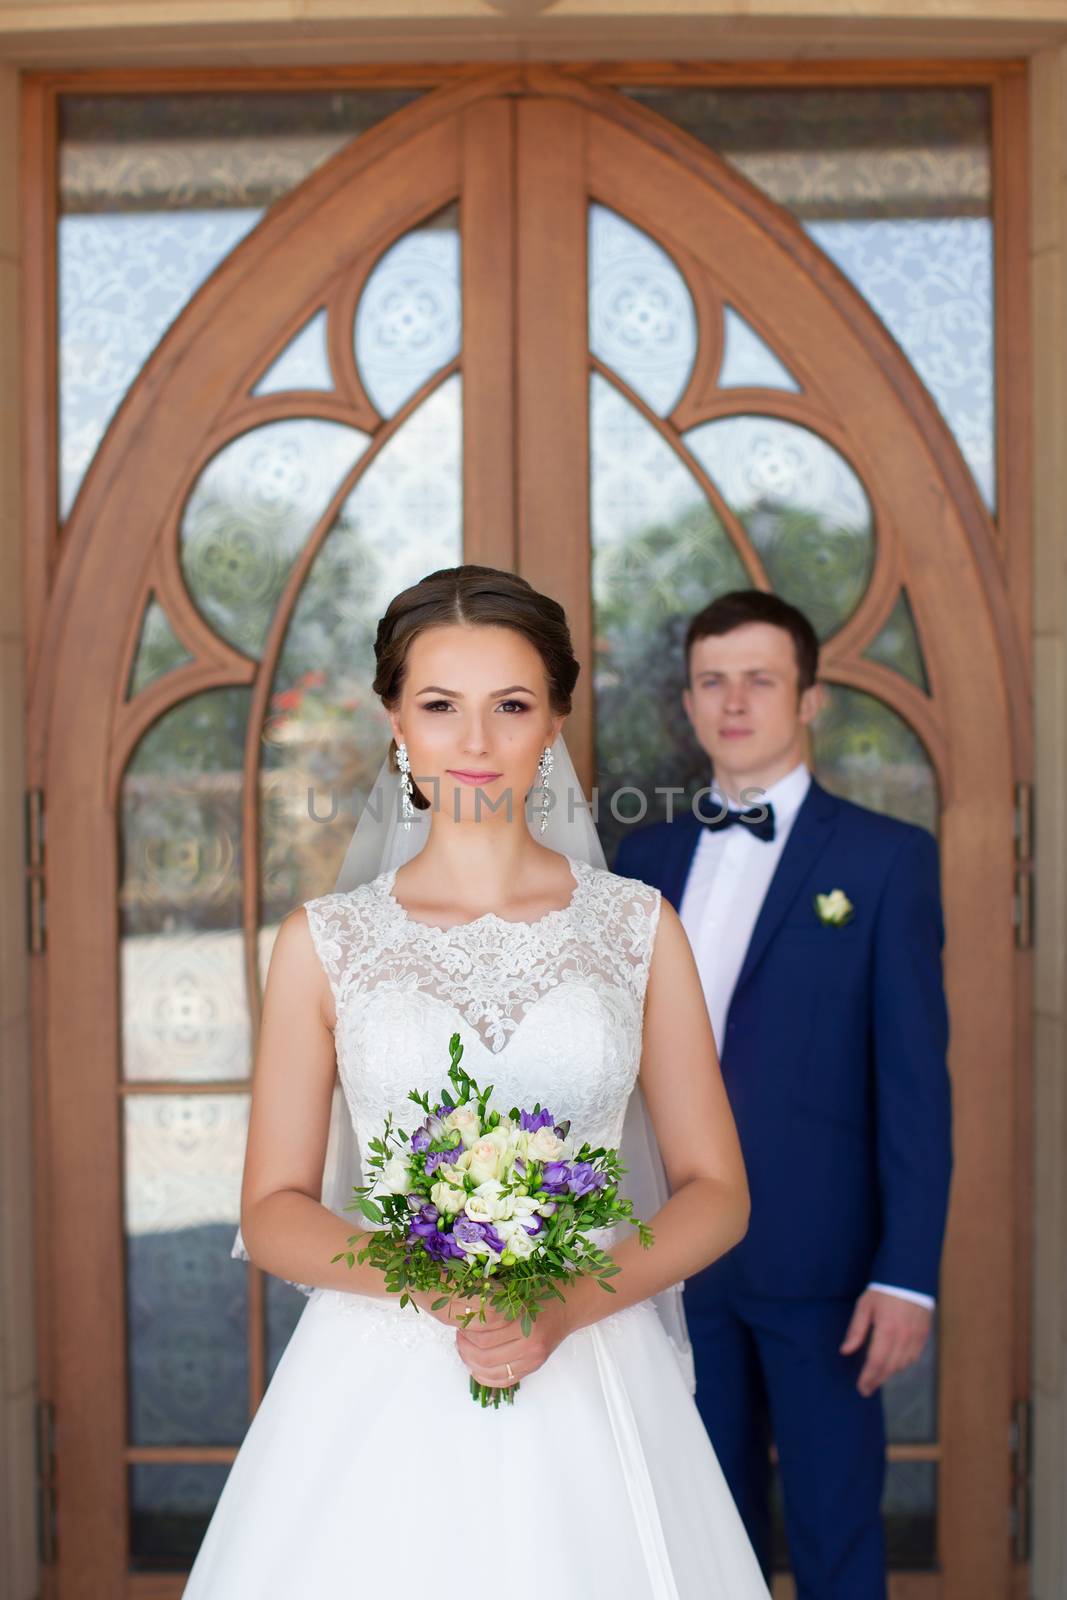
(786, 796)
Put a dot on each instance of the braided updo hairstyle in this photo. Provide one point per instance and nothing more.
(481, 597)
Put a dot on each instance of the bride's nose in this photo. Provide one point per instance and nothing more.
(475, 740)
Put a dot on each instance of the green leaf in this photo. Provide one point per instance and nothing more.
(370, 1210)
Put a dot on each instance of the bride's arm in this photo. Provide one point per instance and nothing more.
(286, 1228)
(708, 1211)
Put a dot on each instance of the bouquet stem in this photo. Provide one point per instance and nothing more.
(484, 1395)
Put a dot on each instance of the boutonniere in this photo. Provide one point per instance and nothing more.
(835, 908)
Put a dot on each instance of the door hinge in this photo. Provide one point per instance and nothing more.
(35, 882)
(1022, 1480)
(1022, 914)
(46, 1483)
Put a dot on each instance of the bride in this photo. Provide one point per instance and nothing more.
(367, 1468)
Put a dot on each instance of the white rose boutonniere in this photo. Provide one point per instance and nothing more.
(835, 908)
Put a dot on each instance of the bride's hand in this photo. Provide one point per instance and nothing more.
(499, 1354)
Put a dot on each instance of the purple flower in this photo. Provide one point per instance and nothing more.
(530, 1121)
(556, 1177)
(424, 1223)
(442, 1246)
(468, 1233)
(584, 1179)
(420, 1141)
(438, 1158)
(534, 1226)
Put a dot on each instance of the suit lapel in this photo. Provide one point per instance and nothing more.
(682, 838)
(808, 838)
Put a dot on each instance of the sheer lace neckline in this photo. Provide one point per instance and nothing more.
(385, 881)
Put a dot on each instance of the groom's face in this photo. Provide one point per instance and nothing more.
(744, 700)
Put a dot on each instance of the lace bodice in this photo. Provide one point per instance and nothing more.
(549, 1010)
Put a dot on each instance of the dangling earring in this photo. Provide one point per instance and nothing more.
(544, 767)
(407, 788)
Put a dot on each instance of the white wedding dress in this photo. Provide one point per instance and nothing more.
(368, 1469)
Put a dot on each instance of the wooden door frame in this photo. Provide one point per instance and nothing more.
(1004, 554)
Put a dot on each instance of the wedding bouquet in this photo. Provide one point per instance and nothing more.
(493, 1210)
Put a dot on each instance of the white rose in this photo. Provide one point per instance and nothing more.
(396, 1176)
(835, 907)
(480, 1208)
(484, 1160)
(451, 1172)
(447, 1198)
(493, 1202)
(544, 1145)
(519, 1242)
(466, 1121)
(523, 1209)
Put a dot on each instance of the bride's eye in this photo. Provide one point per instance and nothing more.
(437, 705)
(520, 705)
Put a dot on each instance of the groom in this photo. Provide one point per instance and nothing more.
(816, 926)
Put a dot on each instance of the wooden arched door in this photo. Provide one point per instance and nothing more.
(206, 657)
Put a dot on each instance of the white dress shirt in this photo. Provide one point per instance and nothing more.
(729, 877)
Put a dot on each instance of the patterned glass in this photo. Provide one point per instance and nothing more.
(894, 184)
(659, 554)
(802, 506)
(184, 1006)
(170, 1508)
(748, 361)
(154, 193)
(158, 652)
(250, 513)
(897, 645)
(641, 318)
(326, 734)
(408, 323)
(911, 1399)
(186, 1300)
(909, 1514)
(303, 364)
(867, 753)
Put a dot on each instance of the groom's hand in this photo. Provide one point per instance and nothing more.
(898, 1332)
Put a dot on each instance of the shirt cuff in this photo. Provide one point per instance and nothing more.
(926, 1300)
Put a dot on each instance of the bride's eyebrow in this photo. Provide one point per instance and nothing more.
(454, 694)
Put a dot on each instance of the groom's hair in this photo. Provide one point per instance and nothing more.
(742, 606)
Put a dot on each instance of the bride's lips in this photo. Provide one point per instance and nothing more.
(474, 777)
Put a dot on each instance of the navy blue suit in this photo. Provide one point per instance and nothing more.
(834, 1058)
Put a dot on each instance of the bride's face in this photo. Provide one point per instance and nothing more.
(475, 715)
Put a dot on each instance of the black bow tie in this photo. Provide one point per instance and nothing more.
(759, 821)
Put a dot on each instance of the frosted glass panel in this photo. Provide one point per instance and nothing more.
(159, 651)
(748, 361)
(865, 752)
(408, 322)
(184, 1006)
(186, 1303)
(641, 318)
(303, 364)
(897, 645)
(894, 184)
(170, 1508)
(250, 513)
(802, 506)
(326, 733)
(660, 553)
(154, 193)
